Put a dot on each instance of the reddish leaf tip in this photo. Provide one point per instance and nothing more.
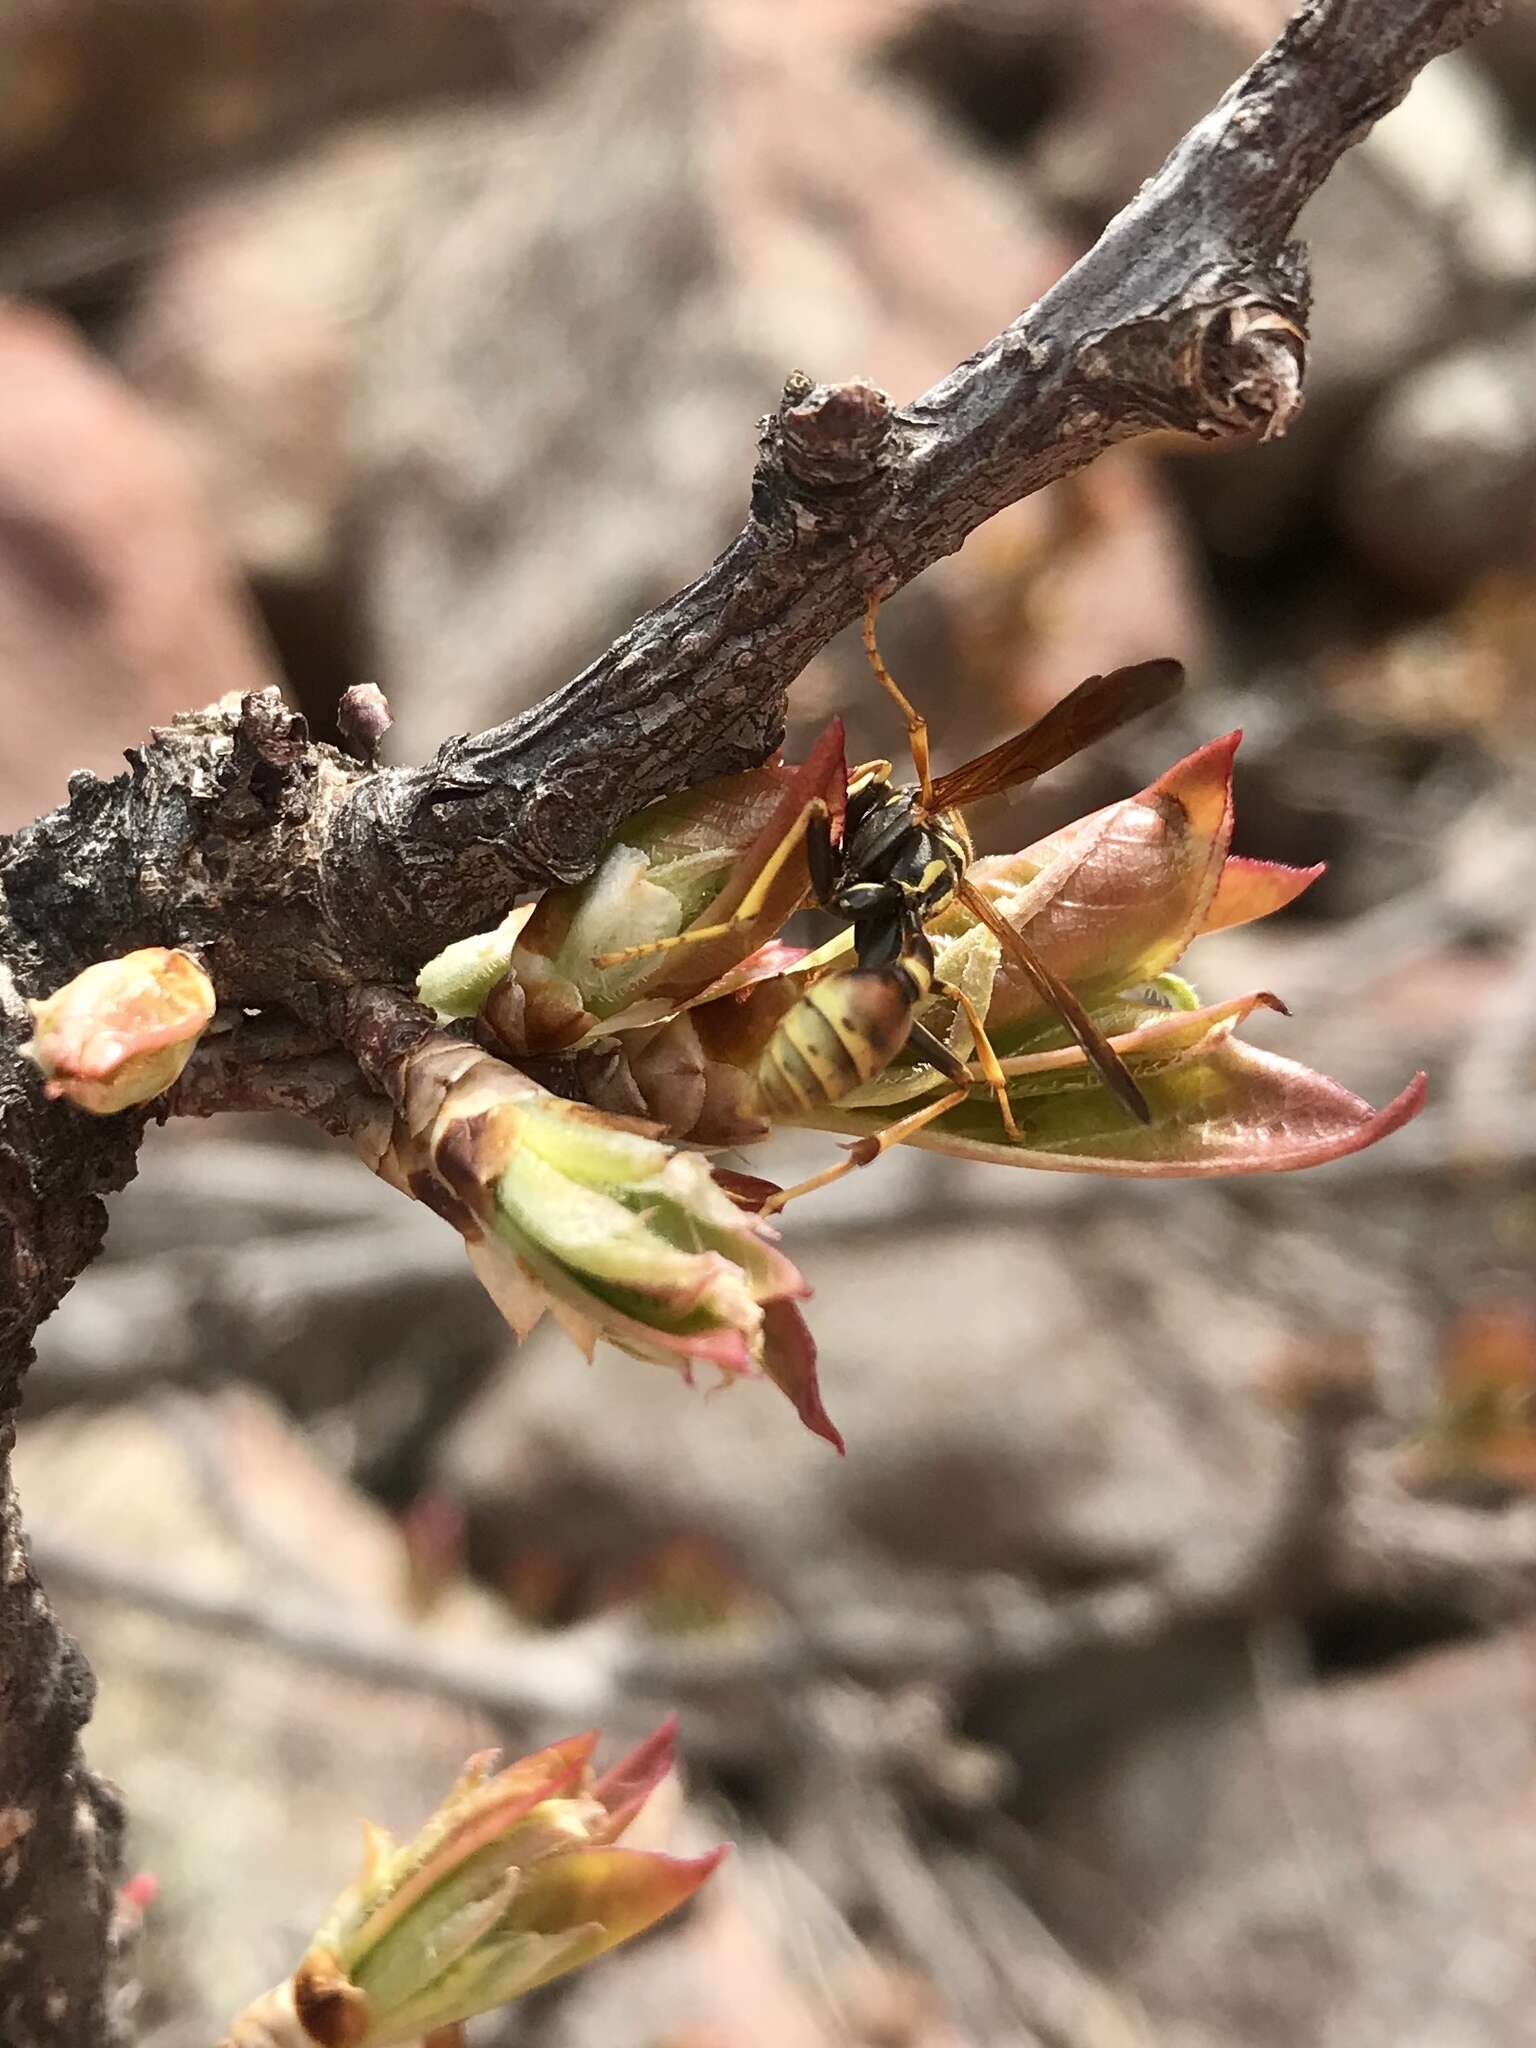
(1250, 889)
(1217, 753)
(821, 1424)
(696, 1871)
(562, 1764)
(625, 1788)
(1403, 1108)
(789, 1360)
(827, 755)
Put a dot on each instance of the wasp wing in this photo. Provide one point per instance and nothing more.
(1112, 1069)
(1092, 711)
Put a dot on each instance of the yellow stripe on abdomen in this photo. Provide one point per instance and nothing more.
(842, 1032)
(782, 1082)
(837, 1012)
(805, 1062)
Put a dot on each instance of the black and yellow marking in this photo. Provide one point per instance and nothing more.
(845, 1030)
(895, 860)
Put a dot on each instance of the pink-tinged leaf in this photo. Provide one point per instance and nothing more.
(746, 1237)
(1227, 1108)
(773, 959)
(1250, 889)
(714, 822)
(1143, 1034)
(771, 1273)
(1229, 1111)
(529, 1780)
(692, 857)
(474, 1816)
(1163, 1034)
(580, 1328)
(683, 973)
(789, 1360)
(497, 1969)
(616, 1892)
(625, 1788)
(1114, 899)
(1140, 1032)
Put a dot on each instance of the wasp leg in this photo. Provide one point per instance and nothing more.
(866, 1150)
(986, 1058)
(917, 725)
(750, 906)
(1112, 1070)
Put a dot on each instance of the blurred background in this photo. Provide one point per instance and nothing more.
(1158, 1667)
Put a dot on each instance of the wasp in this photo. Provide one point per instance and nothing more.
(902, 853)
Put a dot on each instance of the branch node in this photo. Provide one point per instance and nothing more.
(380, 1026)
(270, 765)
(1252, 361)
(832, 436)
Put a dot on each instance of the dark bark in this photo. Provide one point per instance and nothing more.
(300, 877)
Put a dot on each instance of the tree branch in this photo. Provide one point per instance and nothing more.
(1189, 313)
(297, 875)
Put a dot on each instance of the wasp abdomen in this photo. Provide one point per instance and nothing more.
(845, 1030)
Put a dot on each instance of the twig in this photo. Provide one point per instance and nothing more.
(594, 1672)
(258, 1069)
(1383, 1542)
(570, 1678)
(1390, 1545)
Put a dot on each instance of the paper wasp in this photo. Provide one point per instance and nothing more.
(901, 855)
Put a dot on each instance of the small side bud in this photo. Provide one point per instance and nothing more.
(457, 981)
(121, 1032)
(363, 717)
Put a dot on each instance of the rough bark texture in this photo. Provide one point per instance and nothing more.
(300, 878)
